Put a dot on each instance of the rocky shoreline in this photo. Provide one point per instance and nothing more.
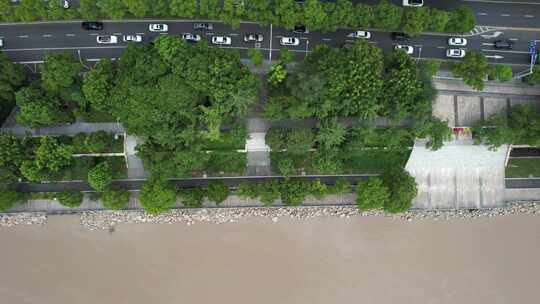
(103, 220)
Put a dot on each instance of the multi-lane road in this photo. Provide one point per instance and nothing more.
(30, 42)
(517, 20)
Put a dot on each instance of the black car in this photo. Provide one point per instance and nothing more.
(300, 29)
(503, 44)
(92, 25)
(203, 26)
(400, 36)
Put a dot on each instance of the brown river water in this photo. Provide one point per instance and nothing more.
(322, 260)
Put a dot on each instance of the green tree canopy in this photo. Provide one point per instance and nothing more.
(331, 133)
(52, 155)
(461, 20)
(98, 84)
(39, 108)
(59, 71)
(473, 69)
(89, 10)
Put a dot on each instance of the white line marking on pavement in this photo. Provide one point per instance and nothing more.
(513, 39)
(23, 36)
(418, 45)
(441, 47)
(70, 35)
(505, 15)
(66, 48)
(502, 2)
(140, 33)
(234, 34)
(326, 39)
(163, 33)
(117, 34)
(515, 52)
(46, 35)
(487, 43)
(482, 14)
(270, 53)
(93, 34)
(528, 16)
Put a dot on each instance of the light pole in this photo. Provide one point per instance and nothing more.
(81, 61)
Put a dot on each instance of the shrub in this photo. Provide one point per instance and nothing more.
(275, 139)
(70, 198)
(256, 57)
(285, 56)
(293, 193)
(115, 199)
(157, 196)
(97, 141)
(100, 177)
(318, 189)
(372, 194)
(300, 140)
(8, 199)
(340, 187)
(192, 198)
(285, 165)
(248, 190)
(269, 192)
(402, 188)
(217, 192)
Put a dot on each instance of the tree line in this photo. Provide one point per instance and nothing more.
(316, 15)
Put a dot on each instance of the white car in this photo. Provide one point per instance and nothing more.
(132, 38)
(293, 41)
(191, 37)
(158, 27)
(65, 4)
(457, 41)
(1, 42)
(221, 40)
(406, 48)
(360, 34)
(107, 39)
(455, 53)
(416, 3)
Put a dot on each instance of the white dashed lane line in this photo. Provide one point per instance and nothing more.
(23, 36)
(46, 35)
(505, 15)
(501, 51)
(70, 35)
(441, 47)
(528, 16)
(481, 14)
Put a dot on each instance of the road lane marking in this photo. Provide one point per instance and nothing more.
(326, 39)
(487, 43)
(234, 34)
(441, 47)
(528, 16)
(270, 53)
(93, 34)
(46, 35)
(70, 35)
(482, 14)
(66, 48)
(505, 15)
(515, 52)
(502, 2)
(513, 39)
(119, 34)
(140, 33)
(23, 36)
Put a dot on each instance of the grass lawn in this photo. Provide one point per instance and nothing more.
(359, 162)
(81, 165)
(523, 167)
(97, 116)
(229, 141)
(226, 164)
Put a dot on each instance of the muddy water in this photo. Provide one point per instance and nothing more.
(325, 260)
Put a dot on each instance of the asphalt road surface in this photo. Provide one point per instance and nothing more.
(28, 43)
